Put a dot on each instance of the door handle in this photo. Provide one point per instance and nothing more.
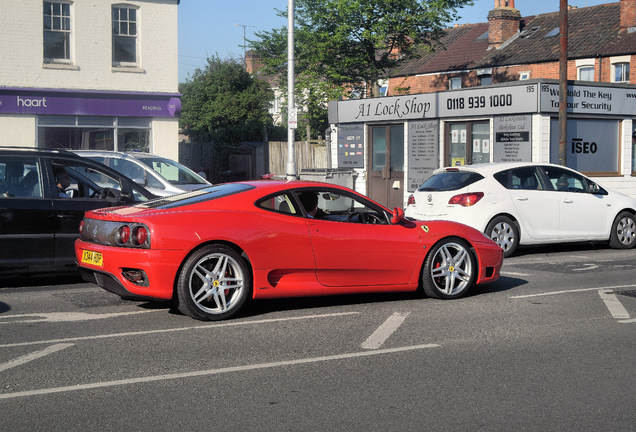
(522, 198)
(568, 201)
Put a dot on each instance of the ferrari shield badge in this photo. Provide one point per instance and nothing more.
(424, 227)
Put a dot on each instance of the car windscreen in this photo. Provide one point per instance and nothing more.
(172, 171)
(200, 195)
(449, 181)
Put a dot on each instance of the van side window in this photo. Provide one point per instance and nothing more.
(20, 178)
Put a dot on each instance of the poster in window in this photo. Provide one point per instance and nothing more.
(485, 145)
(454, 136)
(476, 146)
(462, 136)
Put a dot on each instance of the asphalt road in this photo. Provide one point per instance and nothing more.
(549, 347)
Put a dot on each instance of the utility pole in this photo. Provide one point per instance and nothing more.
(245, 26)
(563, 82)
(291, 106)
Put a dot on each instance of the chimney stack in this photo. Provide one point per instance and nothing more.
(628, 14)
(503, 22)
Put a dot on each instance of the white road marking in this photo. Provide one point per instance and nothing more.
(382, 333)
(629, 287)
(508, 273)
(171, 330)
(629, 321)
(65, 316)
(588, 266)
(33, 356)
(614, 306)
(210, 372)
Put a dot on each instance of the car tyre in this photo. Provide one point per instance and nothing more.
(449, 270)
(214, 283)
(505, 232)
(623, 235)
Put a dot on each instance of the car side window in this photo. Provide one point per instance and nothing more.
(77, 180)
(335, 206)
(524, 178)
(20, 178)
(279, 203)
(565, 181)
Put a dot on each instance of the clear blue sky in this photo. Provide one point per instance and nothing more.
(208, 27)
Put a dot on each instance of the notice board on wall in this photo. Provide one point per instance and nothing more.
(513, 138)
(423, 151)
(351, 145)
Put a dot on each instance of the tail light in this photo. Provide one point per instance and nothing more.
(141, 235)
(411, 200)
(466, 199)
(124, 234)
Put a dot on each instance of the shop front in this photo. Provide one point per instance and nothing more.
(394, 143)
(95, 120)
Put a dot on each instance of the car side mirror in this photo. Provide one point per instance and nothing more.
(397, 215)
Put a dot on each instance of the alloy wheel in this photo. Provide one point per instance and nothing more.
(451, 268)
(216, 283)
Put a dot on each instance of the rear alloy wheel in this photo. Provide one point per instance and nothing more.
(623, 235)
(505, 232)
(213, 284)
(449, 269)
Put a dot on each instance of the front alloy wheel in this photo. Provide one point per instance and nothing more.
(213, 284)
(449, 269)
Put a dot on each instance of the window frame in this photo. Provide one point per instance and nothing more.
(128, 7)
(454, 79)
(68, 33)
(625, 71)
(582, 68)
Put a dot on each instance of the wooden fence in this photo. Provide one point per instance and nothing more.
(312, 154)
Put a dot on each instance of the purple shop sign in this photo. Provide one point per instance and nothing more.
(94, 104)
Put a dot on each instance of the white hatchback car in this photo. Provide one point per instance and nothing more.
(159, 175)
(526, 203)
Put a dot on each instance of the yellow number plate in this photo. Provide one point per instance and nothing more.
(94, 258)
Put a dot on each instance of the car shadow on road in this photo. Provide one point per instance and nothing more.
(261, 307)
(44, 280)
(559, 247)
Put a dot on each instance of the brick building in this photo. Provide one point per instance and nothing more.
(489, 93)
(90, 74)
(509, 47)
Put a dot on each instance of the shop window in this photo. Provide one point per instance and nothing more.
(591, 147)
(455, 83)
(94, 133)
(124, 36)
(621, 72)
(585, 73)
(57, 32)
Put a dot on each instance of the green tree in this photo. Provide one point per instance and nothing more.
(225, 104)
(350, 43)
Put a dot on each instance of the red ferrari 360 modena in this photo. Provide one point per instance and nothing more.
(213, 249)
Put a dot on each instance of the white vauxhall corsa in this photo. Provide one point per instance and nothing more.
(526, 203)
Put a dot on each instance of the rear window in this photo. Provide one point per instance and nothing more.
(449, 181)
(200, 195)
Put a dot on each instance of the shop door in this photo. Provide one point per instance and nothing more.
(386, 165)
(467, 143)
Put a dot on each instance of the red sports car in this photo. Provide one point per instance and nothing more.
(213, 249)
